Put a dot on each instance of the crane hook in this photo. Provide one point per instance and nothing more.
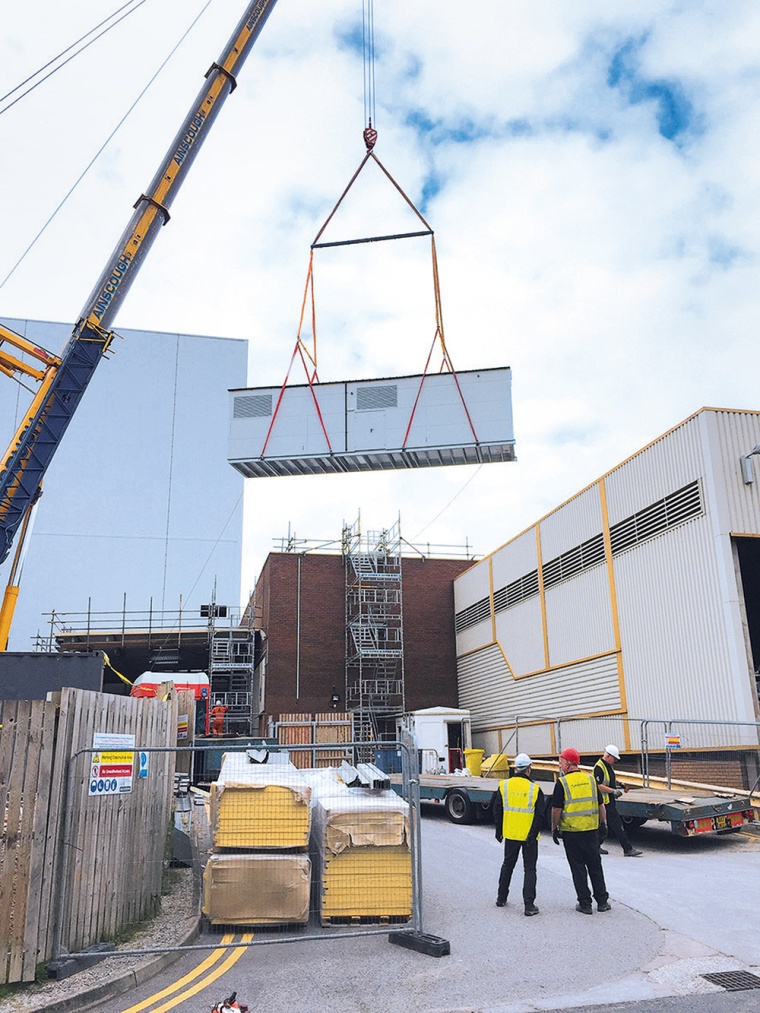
(370, 136)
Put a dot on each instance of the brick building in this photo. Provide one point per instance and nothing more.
(300, 606)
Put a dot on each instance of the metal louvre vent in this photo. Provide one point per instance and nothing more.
(472, 615)
(666, 513)
(661, 516)
(582, 557)
(252, 406)
(520, 589)
(370, 399)
(733, 981)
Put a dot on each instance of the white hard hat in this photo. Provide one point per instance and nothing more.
(522, 760)
(612, 750)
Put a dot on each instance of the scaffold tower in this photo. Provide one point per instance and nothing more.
(374, 630)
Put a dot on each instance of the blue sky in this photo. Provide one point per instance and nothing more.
(589, 170)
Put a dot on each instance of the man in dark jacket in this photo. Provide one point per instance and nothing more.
(518, 808)
(604, 772)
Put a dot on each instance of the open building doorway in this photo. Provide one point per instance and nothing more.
(748, 556)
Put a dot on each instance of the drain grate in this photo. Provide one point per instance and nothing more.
(733, 981)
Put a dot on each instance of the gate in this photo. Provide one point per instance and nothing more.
(280, 853)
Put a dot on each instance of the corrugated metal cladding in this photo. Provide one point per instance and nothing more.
(731, 436)
(668, 464)
(520, 629)
(493, 697)
(522, 558)
(579, 617)
(591, 735)
(672, 626)
(672, 509)
(575, 522)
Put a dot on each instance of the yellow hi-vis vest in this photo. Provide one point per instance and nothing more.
(519, 797)
(581, 809)
(606, 772)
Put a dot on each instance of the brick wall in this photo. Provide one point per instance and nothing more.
(304, 682)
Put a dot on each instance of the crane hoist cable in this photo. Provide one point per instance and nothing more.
(308, 352)
(103, 146)
(68, 49)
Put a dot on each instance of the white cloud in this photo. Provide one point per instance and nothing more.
(612, 268)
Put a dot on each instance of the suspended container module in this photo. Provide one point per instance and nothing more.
(373, 425)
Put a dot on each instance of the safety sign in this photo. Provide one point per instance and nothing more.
(112, 764)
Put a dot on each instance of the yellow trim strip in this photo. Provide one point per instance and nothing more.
(613, 604)
(542, 595)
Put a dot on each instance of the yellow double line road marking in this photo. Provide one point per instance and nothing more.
(201, 969)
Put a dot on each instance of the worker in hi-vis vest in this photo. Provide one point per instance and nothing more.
(579, 820)
(518, 809)
(604, 772)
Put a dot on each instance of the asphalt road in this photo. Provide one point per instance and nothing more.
(686, 908)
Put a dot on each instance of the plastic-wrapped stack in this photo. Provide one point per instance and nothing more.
(259, 805)
(260, 871)
(361, 852)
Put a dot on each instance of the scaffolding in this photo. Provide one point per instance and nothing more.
(216, 639)
(374, 630)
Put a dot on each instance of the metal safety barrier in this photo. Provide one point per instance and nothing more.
(281, 853)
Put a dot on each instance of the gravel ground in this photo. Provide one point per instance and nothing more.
(176, 924)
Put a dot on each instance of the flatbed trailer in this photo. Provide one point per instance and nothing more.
(690, 811)
(464, 798)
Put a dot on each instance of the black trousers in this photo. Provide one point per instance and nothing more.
(530, 858)
(582, 852)
(616, 827)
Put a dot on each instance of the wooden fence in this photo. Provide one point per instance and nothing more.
(76, 868)
(306, 729)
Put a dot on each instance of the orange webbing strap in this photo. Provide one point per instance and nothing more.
(446, 358)
(304, 353)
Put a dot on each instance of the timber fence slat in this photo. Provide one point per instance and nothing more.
(45, 714)
(76, 868)
(7, 850)
(16, 802)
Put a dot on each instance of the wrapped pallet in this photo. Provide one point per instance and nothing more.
(257, 806)
(361, 853)
(257, 889)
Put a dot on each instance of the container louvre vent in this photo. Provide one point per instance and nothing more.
(369, 399)
(518, 590)
(252, 406)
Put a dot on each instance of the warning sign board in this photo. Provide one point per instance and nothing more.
(112, 766)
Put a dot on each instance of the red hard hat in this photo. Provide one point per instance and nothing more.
(571, 755)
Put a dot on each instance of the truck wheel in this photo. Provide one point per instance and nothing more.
(634, 821)
(459, 808)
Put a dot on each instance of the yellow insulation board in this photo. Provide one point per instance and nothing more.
(367, 882)
(259, 816)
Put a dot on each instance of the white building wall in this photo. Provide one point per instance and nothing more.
(664, 638)
(579, 617)
(519, 631)
(139, 499)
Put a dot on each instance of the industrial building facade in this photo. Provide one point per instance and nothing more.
(639, 598)
(140, 510)
(300, 606)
